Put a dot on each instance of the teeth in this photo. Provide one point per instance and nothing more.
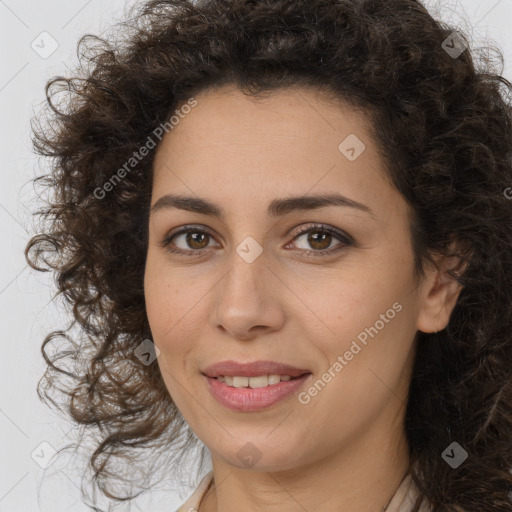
(253, 382)
(240, 382)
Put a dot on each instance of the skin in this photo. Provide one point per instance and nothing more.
(345, 449)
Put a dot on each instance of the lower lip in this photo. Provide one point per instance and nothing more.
(249, 399)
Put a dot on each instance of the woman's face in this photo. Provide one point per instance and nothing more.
(257, 286)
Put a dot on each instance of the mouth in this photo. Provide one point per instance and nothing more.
(253, 386)
(244, 394)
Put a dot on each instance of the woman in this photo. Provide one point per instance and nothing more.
(283, 229)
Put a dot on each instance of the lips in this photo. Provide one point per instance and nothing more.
(254, 369)
(248, 400)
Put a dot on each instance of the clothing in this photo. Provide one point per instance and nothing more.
(402, 501)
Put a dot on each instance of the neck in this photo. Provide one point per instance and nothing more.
(361, 478)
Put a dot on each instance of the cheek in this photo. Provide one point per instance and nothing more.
(364, 353)
(164, 307)
(162, 299)
(371, 307)
(165, 293)
(175, 306)
(351, 301)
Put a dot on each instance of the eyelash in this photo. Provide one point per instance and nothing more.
(345, 240)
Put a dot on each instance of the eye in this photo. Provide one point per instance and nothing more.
(320, 237)
(195, 238)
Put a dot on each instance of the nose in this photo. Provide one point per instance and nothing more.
(248, 299)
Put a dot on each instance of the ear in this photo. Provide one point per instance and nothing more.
(438, 294)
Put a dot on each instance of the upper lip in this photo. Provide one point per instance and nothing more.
(254, 369)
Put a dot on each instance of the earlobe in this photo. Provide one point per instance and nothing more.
(439, 294)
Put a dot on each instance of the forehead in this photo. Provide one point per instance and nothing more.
(286, 143)
(292, 114)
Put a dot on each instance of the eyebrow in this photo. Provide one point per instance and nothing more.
(276, 208)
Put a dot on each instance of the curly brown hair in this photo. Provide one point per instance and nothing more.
(444, 128)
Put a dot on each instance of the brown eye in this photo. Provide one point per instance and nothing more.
(194, 240)
(320, 237)
(319, 242)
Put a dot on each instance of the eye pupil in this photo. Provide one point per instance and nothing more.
(314, 237)
(192, 237)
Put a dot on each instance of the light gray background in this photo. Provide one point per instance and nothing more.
(26, 311)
